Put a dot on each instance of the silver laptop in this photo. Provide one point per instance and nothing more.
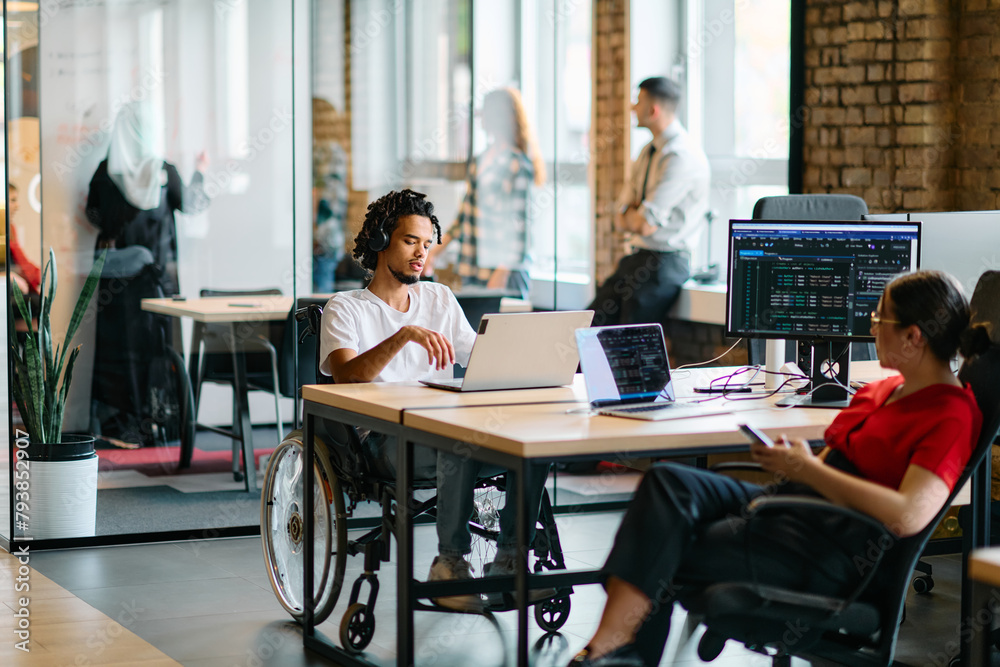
(522, 351)
(627, 374)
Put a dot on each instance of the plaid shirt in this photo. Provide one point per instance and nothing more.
(492, 222)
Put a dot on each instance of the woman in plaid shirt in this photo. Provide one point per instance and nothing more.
(492, 222)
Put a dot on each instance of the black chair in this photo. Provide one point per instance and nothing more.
(211, 361)
(808, 207)
(860, 629)
(476, 305)
(290, 361)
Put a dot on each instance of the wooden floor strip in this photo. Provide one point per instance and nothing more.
(62, 629)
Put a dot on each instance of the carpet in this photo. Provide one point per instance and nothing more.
(159, 509)
(157, 461)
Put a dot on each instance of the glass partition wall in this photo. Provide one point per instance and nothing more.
(157, 134)
(186, 142)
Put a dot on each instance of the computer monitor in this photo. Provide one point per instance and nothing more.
(814, 281)
(961, 243)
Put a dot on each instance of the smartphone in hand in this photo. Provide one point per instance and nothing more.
(755, 435)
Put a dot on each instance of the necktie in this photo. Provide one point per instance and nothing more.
(645, 179)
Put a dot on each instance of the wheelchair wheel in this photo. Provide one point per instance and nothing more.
(282, 528)
(357, 628)
(552, 614)
(485, 525)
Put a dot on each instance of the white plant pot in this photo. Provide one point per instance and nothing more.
(62, 499)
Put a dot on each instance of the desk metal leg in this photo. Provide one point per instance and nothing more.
(521, 573)
(404, 543)
(241, 409)
(980, 637)
(194, 366)
(980, 537)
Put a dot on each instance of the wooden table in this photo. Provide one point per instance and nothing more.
(984, 575)
(238, 312)
(511, 429)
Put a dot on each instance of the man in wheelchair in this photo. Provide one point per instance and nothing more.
(398, 328)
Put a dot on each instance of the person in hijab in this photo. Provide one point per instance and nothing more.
(135, 192)
(134, 195)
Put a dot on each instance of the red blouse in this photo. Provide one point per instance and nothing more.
(935, 428)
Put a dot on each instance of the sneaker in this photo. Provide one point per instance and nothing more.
(623, 656)
(451, 568)
(505, 565)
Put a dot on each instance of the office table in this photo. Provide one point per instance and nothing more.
(239, 313)
(984, 574)
(511, 429)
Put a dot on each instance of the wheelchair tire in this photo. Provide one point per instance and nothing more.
(357, 628)
(552, 614)
(282, 528)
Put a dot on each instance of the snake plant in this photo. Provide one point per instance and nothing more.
(38, 365)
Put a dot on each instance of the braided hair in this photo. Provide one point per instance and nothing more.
(390, 208)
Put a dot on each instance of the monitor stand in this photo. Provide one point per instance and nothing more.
(830, 377)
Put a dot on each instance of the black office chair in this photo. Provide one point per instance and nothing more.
(808, 207)
(281, 369)
(211, 361)
(859, 629)
(476, 305)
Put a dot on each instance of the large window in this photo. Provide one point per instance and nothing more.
(422, 74)
(732, 58)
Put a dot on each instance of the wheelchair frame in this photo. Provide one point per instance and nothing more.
(342, 472)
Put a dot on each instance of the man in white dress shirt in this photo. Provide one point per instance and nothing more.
(661, 209)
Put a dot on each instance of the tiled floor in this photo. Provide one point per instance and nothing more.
(209, 603)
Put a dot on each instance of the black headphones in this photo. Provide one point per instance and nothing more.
(378, 240)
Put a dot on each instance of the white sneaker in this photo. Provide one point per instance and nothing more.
(451, 568)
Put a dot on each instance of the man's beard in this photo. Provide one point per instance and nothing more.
(404, 278)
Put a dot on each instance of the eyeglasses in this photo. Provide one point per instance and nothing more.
(877, 319)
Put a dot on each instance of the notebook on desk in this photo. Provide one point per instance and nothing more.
(521, 351)
(627, 374)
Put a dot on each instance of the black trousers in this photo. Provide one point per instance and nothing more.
(642, 289)
(706, 539)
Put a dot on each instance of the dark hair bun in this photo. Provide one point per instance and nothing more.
(975, 341)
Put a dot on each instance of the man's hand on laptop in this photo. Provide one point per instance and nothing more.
(440, 352)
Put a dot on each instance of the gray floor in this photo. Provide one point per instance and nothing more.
(208, 603)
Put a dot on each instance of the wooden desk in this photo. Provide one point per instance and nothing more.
(984, 575)
(238, 312)
(223, 309)
(387, 401)
(510, 429)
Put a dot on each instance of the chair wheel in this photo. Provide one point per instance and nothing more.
(923, 584)
(357, 628)
(237, 477)
(552, 614)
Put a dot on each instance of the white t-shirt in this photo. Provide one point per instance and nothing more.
(358, 320)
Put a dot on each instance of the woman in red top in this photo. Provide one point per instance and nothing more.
(894, 454)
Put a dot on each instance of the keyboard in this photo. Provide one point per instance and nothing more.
(647, 408)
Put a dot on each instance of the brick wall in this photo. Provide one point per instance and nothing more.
(610, 122)
(357, 200)
(900, 103)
